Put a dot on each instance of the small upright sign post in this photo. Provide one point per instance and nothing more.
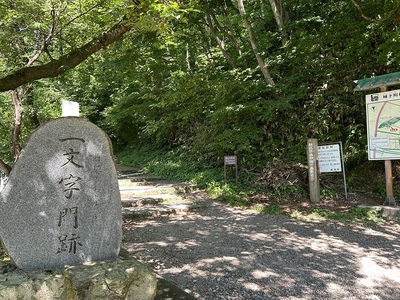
(230, 161)
(313, 169)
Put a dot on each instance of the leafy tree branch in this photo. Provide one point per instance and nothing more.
(65, 62)
(389, 15)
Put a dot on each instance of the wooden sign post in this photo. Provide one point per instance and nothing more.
(313, 169)
(230, 161)
(389, 183)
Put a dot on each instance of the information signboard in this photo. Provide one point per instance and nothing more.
(383, 125)
(329, 158)
(230, 160)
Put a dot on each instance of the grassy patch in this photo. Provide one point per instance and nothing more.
(229, 194)
(356, 214)
(172, 165)
(266, 191)
(373, 216)
(176, 165)
(273, 209)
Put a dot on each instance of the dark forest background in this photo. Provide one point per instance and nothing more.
(193, 81)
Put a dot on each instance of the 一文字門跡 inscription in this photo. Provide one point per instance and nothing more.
(65, 186)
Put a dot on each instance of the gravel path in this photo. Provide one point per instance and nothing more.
(220, 252)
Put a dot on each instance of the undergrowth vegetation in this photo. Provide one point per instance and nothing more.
(278, 188)
(356, 214)
(3, 254)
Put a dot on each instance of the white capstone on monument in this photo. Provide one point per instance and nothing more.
(69, 109)
(61, 205)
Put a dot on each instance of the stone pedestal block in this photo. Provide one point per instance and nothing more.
(121, 279)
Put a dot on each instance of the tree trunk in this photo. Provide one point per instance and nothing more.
(5, 168)
(279, 20)
(31, 112)
(233, 31)
(219, 42)
(18, 111)
(253, 42)
(188, 64)
(227, 35)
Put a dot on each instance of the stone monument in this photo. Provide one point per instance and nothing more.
(61, 205)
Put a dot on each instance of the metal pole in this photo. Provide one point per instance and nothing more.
(236, 172)
(224, 174)
(343, 171)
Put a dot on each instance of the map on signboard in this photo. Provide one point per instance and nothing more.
(383, 125)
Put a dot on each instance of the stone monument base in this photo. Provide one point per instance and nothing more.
(120, 279)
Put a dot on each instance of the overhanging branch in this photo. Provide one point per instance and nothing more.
(65, 62)
(369, 18)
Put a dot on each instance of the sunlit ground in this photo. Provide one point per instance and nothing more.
(227, 253)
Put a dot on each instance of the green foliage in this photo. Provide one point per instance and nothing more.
(379, 187)
(356, 214)
(287, 190)
(273, 209)
(327, 193)
(317, 212)
(211, 112)
(180, 166)
(168, 88)
(373, 216)
(170, 164)
(229, 194)
(63, 25)
(6, 121)
(44, 104)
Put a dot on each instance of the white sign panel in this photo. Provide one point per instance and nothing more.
(383, 125)
(69, 109)
(329, 158)
(230, 160)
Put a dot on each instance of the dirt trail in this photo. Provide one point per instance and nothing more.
(220, 252)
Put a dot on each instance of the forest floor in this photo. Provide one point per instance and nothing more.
(287, 187)
(224, 252)
(335, 203)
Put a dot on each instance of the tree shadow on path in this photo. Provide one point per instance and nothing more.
(222, 252)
